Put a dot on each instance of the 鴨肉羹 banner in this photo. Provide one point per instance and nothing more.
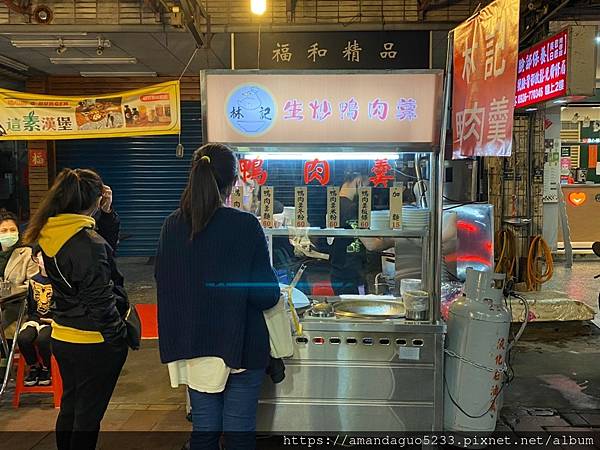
(484, 78)
(142, 112)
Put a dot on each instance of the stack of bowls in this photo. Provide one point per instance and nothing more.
(414, 218)
(380, 220)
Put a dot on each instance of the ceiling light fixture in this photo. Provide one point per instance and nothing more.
(309, 156)
(531, 109)
(41, 33)
(11, 63)
(258, 7)
(86, 61)
(55, 43)
(117, 74)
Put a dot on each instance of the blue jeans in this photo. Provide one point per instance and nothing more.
(232, 412)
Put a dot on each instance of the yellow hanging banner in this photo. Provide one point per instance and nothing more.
(142, 112)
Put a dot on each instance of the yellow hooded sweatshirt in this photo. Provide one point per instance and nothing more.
(57, 231)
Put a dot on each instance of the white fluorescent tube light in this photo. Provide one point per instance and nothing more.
(55, 43)
(86, 61)
(117, 74)
(41, 33)
(7, 62)
(308, 156)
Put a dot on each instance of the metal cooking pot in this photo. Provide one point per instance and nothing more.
(370, 309)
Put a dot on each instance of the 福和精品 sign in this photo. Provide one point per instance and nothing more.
(323, 108)
(143, 112)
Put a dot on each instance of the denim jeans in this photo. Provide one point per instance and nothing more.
(232, 412)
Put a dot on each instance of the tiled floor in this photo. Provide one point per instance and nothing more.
(556, 372)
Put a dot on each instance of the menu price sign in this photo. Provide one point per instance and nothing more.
(267, 200)
(333, 207)
(396, 207)
(237, 197)
(542, 71)
(300, 202)
(364, 208)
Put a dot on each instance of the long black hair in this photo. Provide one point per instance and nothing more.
(212, 176)
(74, 191)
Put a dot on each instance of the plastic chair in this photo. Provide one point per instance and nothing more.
(55, 388)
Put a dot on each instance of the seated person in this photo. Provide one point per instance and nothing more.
(37, 328)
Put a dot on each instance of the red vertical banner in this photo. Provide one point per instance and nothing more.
(484, 77)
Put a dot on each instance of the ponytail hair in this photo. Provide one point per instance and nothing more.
(212, 176)
(74, 191)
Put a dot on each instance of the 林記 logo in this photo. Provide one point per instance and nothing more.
(251, 110)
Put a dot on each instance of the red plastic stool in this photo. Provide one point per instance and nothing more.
(322, 288)
(55, 388)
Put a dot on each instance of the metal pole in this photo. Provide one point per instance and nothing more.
(437, 188)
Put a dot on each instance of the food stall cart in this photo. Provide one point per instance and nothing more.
(357, 366)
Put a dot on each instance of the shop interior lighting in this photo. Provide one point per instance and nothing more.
(329, 156)
(56, 43)
(597, 39)
(531, 109)
(11, 63)
(560, 101)
(40, 34)
(117, 74)
(86, 61)
(258, 7)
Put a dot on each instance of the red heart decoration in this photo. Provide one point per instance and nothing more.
(577, 198)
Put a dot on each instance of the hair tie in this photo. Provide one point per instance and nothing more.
(205, 158)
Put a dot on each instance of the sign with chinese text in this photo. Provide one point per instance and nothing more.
(316, 170)
(484, 78)
(396, 207)
(551, 175)
(237, 197)
(340, 50)
(144, 112)
(333, 207)
(38, 158)
(252, 170)
(381, 173)
(364, 207)
(322, 108)
(300, 203)
(267, 201)
(542, 71)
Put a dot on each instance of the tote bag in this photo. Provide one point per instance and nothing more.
(280, 332)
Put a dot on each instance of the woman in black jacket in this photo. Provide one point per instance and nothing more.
(88, 332)
(214, 280)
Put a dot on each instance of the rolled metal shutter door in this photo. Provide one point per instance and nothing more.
(146, 178)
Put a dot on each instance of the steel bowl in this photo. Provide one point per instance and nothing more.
(370, 309)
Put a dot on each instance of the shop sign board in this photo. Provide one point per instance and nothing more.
(143, 112)
(396, 207)
(484, 78)
(301, 206)
(542, 71)
(322, 108)
(328, 50)
(551, 176)
(333, 207)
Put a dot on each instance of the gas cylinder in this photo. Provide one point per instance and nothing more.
(475, 355)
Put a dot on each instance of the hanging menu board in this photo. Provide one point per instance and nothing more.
(301, 196)
(364, 208)
(266, 206)
(237, 197)
(396, 207)
(333, 207)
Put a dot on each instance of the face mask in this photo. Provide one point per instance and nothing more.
(9, 239)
